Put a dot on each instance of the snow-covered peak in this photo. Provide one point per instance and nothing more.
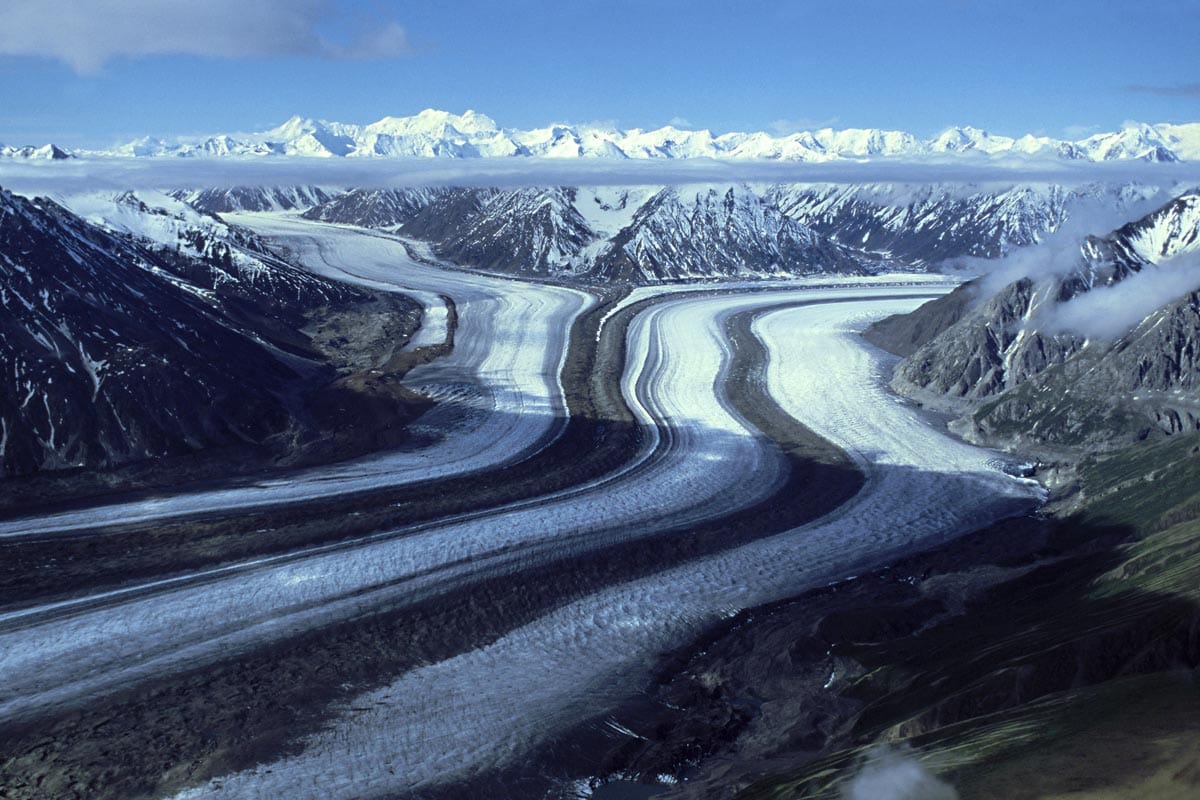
(295, 127)
(1133, 141)
(47, 152)
(1171, 231)
(669, 142)
(1183, 140)
(967, 139)
(145, 146)
(866, 142)
(1043, 146)
(435, 134)
(566, 141)
(442, 134)
(432, 122)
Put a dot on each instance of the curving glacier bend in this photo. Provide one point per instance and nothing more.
(668, 382)
(478, 710)
(499, 388)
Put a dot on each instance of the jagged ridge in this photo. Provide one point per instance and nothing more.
(1001, 361)
(604, 234)
(117, 350)
(440, 134)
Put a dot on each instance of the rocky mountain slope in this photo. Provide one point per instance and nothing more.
(610, 234)
(649, 233)
(440, 134)
(255, 198)
(726, 231)
(1089, 351)
(932, 223)
(119, 345)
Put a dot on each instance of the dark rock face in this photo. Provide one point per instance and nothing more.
(115, 351)
(383, 208)
(709, 232)
(1148, 382)
(525, 231)
(254, 198)
(929, 224)
(987, 351)
(905, 333)
(1019, 378)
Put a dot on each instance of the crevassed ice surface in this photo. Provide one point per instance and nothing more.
(711, 465)
(487, 706)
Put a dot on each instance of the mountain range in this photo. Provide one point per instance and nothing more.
(647, 233)
(441, 134)
(51, 152)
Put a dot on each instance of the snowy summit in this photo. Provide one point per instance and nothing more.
(441, 134)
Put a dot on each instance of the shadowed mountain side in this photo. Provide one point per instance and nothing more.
(203, 347)
(344, 409)
(598, 438)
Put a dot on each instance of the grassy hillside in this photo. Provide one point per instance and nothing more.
(1075, 676)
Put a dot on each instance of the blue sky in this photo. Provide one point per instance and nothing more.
(95, 72)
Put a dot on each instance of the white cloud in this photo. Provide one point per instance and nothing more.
(1110, 311)
(890, 773)
(87, 34)
(124, 173)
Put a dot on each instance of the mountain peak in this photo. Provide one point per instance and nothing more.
(296, 126)
(46, 152)
(435, 133)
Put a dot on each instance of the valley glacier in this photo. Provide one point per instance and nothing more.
(699, 459)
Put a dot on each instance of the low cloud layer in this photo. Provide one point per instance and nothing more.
(1105, 313)
(171, 173)
(1059, 252)
(87, 34)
